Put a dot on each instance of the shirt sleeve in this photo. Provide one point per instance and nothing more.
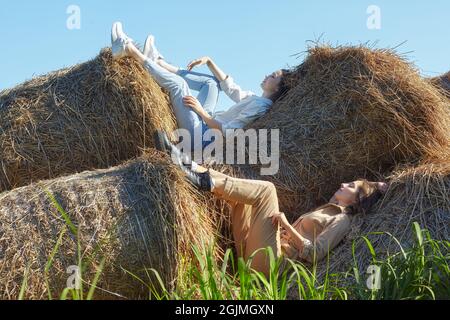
(234, 91)
(327, 240)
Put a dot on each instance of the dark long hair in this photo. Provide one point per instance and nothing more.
(368, 194)
(283, 86)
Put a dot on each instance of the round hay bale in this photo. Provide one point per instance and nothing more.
(136, 216)
(352, 112)
(416, 194)
(93, 115)
(442, 83)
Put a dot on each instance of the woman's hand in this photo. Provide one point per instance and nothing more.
(198, 62)
(193, 103)
(279, 217)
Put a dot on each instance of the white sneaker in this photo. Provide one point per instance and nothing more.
(119, 41)
(150, 50)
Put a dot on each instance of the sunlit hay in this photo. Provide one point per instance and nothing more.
(140, 215)
(90, 116)
(417, 194)
(352, 112)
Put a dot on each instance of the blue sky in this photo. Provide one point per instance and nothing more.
(247, 38)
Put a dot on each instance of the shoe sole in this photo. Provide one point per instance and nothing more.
(119, 29)
(146, 50)
(114, 36)
(114, 32)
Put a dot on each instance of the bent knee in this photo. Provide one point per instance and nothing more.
(179, 87)
(212, 82)
(269, 188)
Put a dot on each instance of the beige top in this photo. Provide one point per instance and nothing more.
(325, 228)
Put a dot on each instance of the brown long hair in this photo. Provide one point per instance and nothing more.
(368, 194)
(283, 86)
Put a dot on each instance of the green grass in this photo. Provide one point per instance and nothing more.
(68, 293)
(420, 272)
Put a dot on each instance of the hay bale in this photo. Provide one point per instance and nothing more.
(416, 194)
(136, 216)
(90, 116)
(442, 83)
(352, 112)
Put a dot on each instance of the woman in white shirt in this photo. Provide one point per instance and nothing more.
(189, 111)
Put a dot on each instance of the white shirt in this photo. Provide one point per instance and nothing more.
(247, 109)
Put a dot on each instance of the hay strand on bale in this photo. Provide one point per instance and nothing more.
(137, 216)
(416, 194)
(90, 116)
(442, 83)
(352, 112)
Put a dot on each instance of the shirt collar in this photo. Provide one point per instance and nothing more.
(267, 100)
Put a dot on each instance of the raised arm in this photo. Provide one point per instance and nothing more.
(227, 83)
(216, 71)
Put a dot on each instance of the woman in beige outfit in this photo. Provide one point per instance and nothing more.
(256, 220)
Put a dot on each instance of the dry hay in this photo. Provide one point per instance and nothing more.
(352, 112)
(90, 116)
(442, 83)
(136, 216)
(417, 194)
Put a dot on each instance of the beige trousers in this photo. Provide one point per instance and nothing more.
(253, 203)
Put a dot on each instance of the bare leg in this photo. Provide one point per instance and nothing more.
(134, 52)
(167, 66)
(200, 169)
(206, 85)
(139, 56)
(153, 53)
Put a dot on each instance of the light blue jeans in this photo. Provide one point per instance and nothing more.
(179, 85)
(207, 86)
